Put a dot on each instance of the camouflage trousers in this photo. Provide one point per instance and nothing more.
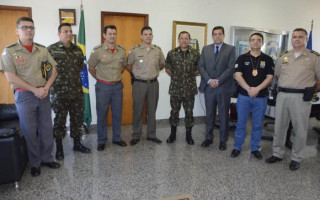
(61, 108)
(188, 104)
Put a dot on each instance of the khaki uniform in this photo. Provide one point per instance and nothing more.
(109, 87)
(146, 67)
(34, 113)
(294, 73)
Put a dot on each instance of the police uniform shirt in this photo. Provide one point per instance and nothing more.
(246, 63)
(28, 66)
(70, 64)
(183, 65)
(146, 63)
(298, 73)
(108, 65)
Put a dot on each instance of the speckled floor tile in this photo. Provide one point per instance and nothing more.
(149, 171)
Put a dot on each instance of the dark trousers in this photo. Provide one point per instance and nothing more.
(188, 104)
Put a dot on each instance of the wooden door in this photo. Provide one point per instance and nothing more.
(128, 35)
(8, 19)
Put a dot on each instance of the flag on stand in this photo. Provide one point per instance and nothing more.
(309, 45)
(84, 73)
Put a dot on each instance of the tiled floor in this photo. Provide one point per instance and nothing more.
(148, 171)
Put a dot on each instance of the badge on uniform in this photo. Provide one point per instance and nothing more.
(246, 63)
(262, 64)
(254, 72)
(236, 66)
(141, 61)
(285, 60)
(104, 58)
(46, 69)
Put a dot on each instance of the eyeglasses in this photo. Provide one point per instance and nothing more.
(255, 40)
(27, 27)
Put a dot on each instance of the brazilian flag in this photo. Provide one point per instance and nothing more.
(84, 73)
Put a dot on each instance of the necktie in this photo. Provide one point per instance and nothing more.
(217, 51)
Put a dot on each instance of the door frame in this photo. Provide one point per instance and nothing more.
(17, 8)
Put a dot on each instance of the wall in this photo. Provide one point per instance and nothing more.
(272, 14)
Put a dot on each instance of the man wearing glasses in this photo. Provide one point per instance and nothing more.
(253, 72)
(22, 63)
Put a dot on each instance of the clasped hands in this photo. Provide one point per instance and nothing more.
(41, 92)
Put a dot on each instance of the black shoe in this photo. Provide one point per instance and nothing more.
(235, 153)
(35, 171)
(222, 146)
(257, 154)
(206, 143)
(294, 165)
(59, 152)
(52, 165)
(100, 147)
(134, 142)
(80, 147)
(173, 134)
(155, 140)
(189, 138)
(120, 143)
(273, 159)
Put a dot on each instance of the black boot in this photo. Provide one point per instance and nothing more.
(189, 138)
(77, 146)
(59, 152)
(172, 136)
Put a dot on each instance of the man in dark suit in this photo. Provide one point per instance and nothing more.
(216, 66)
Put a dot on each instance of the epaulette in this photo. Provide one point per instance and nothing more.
(157, 46)
(121, 47)
(283, 53)
(11, 45)
(138, 45)
(40, 45)
(98, 46)
(315, 53)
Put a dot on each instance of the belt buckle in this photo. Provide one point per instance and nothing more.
(148, 81)
(113, 83)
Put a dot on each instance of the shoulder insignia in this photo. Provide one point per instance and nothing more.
(11, 45)
(40, 45)
(283, 53)
(138, 45)
(121, 47)
(315, 53)
(157, 46)
(98, 46)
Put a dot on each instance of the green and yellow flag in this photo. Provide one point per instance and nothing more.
(84, 73)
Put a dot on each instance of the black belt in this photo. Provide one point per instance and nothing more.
(290, 90)
(146, 81)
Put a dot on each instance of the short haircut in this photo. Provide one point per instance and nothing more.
(63, 24)
(258, 34)
(145, 28)
(105, 29)
(28, 19)
(218, 28)
(184, 32)
(300, 29)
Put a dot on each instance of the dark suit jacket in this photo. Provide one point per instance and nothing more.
(221, 68)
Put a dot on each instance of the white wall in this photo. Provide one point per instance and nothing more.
(272, 14)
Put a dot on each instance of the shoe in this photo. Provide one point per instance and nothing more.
(173, 134)
(235, 153)
(59, 151)
(189, 138)
(273, 159)
(120, 143)
(77, 146)
(155, 140)
(257, 154)
(100, 147)
(206, 143)
(52, 165)
(35, 171)
(134, 142)
(294, 165)
(222, 146)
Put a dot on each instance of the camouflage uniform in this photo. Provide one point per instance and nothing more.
(183, 87)
(66, 92)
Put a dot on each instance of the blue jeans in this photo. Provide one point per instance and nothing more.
(107, 95)
(245, 105)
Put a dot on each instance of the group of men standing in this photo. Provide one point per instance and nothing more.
(297, 72)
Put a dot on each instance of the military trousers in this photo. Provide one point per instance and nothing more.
(106, 96)
(291, 107)
(36, 126)
(141, 93)
(61, 107)
(188, 104)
